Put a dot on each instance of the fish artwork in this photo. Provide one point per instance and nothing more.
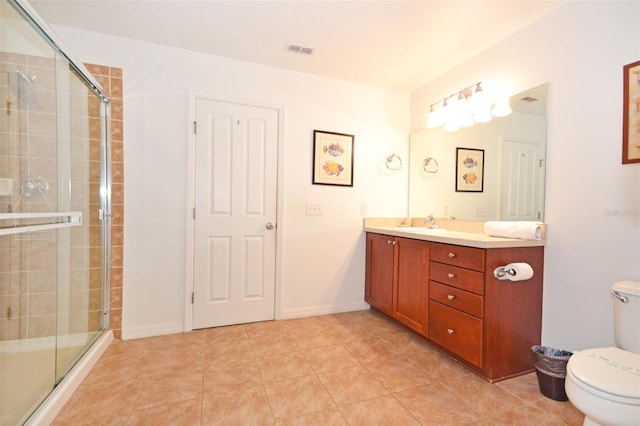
(470, 162)
(331, 168)
(334, 150)
(470, 178)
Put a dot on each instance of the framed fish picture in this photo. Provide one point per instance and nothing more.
(631, 117)
(332, 158)
(469, 170)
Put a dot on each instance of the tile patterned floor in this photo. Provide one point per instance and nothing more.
(344, 369)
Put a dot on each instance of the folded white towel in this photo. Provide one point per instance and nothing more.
(521, 230)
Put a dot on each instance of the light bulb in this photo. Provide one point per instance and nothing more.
(482, 115)
(434, 118)
(501, 108)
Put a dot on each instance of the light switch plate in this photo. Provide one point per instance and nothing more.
(314, 209)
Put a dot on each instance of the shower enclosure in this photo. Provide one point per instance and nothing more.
(54, 212)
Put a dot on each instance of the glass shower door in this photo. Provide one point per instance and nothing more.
(52, 236)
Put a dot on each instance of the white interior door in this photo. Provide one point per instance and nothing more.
(522, 180)
(235, 213)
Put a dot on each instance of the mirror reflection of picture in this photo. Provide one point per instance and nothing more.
(469, 170)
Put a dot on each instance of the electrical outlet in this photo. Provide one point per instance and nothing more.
(363, 210)
(314, 209)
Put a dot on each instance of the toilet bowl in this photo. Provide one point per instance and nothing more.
(604, 383)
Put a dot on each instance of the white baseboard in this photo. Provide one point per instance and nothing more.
(52, 405)
(156, 330)
(323, 310)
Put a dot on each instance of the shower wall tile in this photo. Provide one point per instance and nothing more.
(42, 303)
(42, 123)
(117, 199)
(116, 130)
(117, 152)
(10, 59)
(117, 109)
(41, 326)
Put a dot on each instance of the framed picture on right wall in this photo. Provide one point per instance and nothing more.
(631, 117)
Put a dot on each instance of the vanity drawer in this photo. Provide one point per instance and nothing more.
(465, 257)
(456, 331)
(456, 298)
(464, 279)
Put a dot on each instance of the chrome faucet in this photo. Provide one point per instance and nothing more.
(430, 221)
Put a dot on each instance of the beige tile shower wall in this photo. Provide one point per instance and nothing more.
(111, 81)
(28, 145)
(28, 149)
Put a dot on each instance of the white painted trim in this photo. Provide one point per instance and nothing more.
(191, 190)
(49, 409)
(324, 310)
(156, 330)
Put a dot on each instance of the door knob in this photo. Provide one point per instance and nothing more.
(269, 226)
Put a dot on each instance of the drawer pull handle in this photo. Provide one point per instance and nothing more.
(452, 255)
(451, 297)
(450, 275)
(450, 330)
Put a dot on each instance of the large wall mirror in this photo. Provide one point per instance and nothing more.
(512, 150)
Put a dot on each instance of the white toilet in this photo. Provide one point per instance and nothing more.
(604, 383)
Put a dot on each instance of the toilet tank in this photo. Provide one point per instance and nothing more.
(627, 315)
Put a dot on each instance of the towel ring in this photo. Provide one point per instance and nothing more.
(430, 165)
(393, 162)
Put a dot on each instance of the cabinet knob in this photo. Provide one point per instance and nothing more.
(451, 297)
(450, 330)
(450, 275)
(452, 255)
(389, 242)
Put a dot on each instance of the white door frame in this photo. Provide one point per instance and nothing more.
(191, 198)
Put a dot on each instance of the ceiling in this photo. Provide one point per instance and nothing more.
(393, 44)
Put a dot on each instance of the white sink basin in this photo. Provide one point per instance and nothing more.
(422, 230)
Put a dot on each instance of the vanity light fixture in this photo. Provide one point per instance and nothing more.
(466, 107)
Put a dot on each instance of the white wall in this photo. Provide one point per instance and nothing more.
(592, 201)
(321, 258)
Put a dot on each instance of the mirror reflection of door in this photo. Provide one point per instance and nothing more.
(522, 180)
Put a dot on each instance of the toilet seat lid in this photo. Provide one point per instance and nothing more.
(610, 370)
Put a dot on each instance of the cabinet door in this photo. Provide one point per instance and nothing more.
(412, 286)
(379, 272)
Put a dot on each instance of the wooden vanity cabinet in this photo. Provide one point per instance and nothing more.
(448, 293)
(397, 279)
(380, 272)
(489, 324)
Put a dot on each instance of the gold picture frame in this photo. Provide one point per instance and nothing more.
(469, 170)
(631, 117)
(332, 158)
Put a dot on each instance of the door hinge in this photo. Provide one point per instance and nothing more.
(195, 127)
(193, 298)
(540, 163)
(194, 213)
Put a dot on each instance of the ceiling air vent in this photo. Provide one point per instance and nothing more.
(529, 99)
(302, 50)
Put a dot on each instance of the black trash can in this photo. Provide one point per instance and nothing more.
(551, 369)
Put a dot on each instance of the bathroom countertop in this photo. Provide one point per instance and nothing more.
(396, 228)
